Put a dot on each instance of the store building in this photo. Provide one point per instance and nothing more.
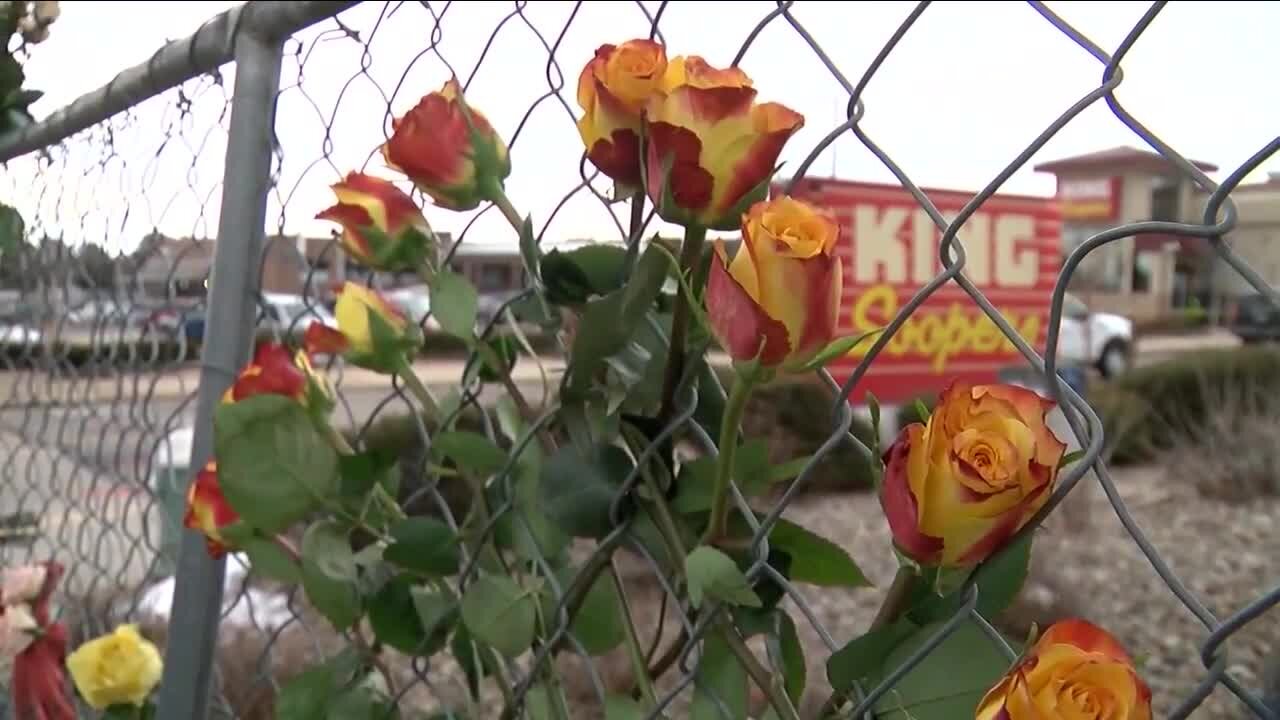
(1150, 276)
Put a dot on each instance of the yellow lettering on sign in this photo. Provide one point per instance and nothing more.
(936, 335)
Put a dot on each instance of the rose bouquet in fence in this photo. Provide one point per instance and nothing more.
(526, 568)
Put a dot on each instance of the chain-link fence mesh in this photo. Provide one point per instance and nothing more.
(101, 370)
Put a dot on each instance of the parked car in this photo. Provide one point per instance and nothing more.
(1256, 319)
(415, 302)
(287, 315)
(1098, 339)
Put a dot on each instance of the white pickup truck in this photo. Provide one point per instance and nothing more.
(1102, 340)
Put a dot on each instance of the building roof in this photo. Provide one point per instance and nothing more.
(1122, 156)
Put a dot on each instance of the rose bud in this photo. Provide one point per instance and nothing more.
(957, 488)
(449, 150)
(382, 228)
(711, 149)
(384, 348)
(613, 90)
(779, 297)
(276, 371)
(208, 511)
(1075, 670)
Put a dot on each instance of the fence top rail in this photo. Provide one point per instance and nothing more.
(178, 61)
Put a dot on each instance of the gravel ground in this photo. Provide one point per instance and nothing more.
(1086, 564)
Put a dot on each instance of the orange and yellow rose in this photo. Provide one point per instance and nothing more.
(449, 150)
(1075, 670)
(275, 370)
(697, 72)
(778, 298)
(959, 486)
(371, 332)
(208, 511)
(382, 228)
(711, 148)
(613, 91)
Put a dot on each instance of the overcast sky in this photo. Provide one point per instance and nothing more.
(968, 88)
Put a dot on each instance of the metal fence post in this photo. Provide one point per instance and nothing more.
(197, 600)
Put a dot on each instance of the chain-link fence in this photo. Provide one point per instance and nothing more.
(210, 160)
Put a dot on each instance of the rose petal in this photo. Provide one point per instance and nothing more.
(739, 323)
(899, 503)
(320, 339)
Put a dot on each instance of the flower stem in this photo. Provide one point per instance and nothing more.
(895, 598)
(499, 197)
(734, 408)
(286, 545)
(419, 391)
(690, 252)
(337, 440)
(633, 643)
(893, 605)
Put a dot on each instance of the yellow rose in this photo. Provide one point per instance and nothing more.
(779, 297)
(355, 337)
(957, 488)
(116, 669)
(613, 90)
(1075, 670)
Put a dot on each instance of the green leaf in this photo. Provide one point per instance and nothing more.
(269, 560)
(394, 617)
(506, 349)
(719, 678)
(424, 545)
(471, 451)
(862, 657)
(814, 559)
(392, 346)
(329, 573)
(609, 322)
(577, 490)
(1071, 457)
(538, 703)
(598, 623)
(361, 702)
(475, 665)
(130, 712)
(621, 707)
(529, 249)
(273, 466)
(438, 613)
(500, 613)
(794, 670)
(694, 486)
(572, 277)
(922, 410)
(11, 74)
(751, 466)
(308, 694)
(527, 528)
(12, 228)
(454, 303)
(999, 581)
(361, 471)
(836, 348)
(949, 682)
(713, 574)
